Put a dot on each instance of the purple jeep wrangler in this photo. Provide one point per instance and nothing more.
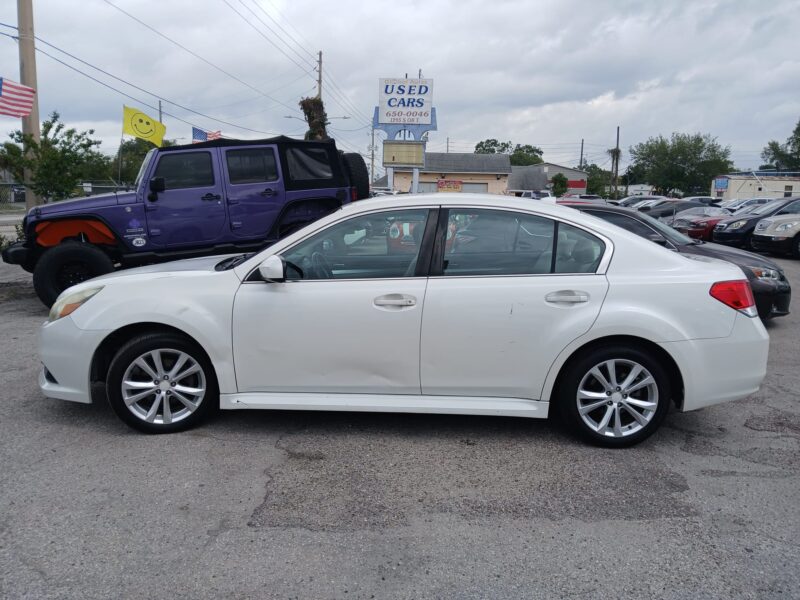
(210, 198)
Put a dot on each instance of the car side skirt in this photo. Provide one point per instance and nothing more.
(393, 403)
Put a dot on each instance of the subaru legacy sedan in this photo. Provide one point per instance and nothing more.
(502, 307)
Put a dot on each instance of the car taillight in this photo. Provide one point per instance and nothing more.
(736, 294)
(353, 194)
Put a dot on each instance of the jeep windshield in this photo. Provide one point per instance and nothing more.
(147, 158)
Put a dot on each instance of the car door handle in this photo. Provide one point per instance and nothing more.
(395, 301)
(567, 297)
(268, 192)
(211, 197)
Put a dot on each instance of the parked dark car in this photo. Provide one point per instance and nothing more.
(668, 209)
(214, 197)
(738, 230)
(771, 289)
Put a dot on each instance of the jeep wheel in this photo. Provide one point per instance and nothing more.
(357, 173)
(66, 265)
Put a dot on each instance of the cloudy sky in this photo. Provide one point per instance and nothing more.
(541, 72)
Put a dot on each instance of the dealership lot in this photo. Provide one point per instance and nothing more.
(289, 504)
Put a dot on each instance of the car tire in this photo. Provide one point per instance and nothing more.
(612, 411)
(357, 173)
(176, 372)
(796, 246)
(66, 265)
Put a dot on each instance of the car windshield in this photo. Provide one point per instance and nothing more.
(668, 232)
(147, 158)
(768, 207)
(746, 209)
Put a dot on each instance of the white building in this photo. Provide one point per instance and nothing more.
(756, 184)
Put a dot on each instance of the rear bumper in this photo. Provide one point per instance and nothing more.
(15, 254)
(722, 369)
(768, 243)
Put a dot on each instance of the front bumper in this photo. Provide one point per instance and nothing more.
(722, 369)
(66, 352)
(772, 297)
(16, 253)
(769, 243)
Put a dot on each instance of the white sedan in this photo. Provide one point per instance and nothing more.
(441, 303)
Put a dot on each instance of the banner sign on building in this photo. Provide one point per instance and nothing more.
(448, 185)
(405, 101)
(721, 183)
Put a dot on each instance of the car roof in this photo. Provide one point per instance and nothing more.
(225, 142)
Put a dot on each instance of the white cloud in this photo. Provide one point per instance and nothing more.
(547, 73)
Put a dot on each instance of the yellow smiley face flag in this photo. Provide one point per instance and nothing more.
(138, 124)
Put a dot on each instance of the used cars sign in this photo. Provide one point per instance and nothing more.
(405, 101)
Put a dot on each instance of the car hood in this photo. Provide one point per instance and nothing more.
(78, 205)
(738, 257)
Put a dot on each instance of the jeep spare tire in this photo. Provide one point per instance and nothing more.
(357, 173)
(66, 265)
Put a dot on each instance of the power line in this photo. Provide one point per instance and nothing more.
(139, 100)
(261, 33)
(141, 89)
(185, 49)
(271, 18)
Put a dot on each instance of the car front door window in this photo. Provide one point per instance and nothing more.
(379, 245)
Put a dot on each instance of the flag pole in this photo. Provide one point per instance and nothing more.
(119, 151)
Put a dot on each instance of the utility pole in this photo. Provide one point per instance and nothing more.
(159, 111)
(616, 163)
(27, 75)
(319, 75)
(580, 162)
(372, 157)
(448, 145)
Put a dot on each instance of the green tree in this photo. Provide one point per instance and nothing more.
(132, 153)
(492, 146)
(685, 162)
(519, 154)
(57, 162)
(525, 154)
(316, 117)
(597, 180)
(786, 156)
(560, 184)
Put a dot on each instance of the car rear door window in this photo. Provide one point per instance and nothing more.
(182, 170)
(378, 245)
(251, 165)
(494, 242)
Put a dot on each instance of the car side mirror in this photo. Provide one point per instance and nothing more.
(273, 269)
(645, 209)
(157, 184)
(658, 239)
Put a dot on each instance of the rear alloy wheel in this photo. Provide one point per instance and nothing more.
(161, 383)
(615, 396)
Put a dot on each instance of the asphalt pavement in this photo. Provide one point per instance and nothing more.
(335, 505)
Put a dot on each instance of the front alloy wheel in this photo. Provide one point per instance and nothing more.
(161, 383)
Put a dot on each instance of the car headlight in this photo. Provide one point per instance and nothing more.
(737, 224)
(765, 273)
(66, 305)
(787, 226)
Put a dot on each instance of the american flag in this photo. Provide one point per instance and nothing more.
(198, 135)
(15, 100)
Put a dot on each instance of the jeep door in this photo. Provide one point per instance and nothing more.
(255, 193)
(348, 317)
(190, 212)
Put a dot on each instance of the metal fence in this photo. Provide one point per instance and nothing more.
(13, 194)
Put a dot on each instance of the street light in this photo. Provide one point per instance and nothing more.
(303, 120)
